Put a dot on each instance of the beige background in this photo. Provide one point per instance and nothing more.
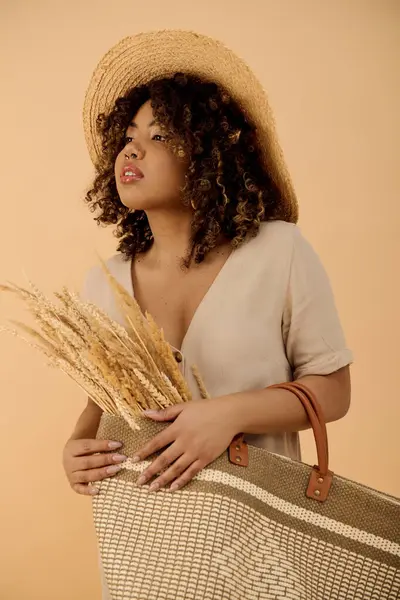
(332, 70)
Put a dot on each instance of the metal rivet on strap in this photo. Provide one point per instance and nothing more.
(238, 459)
(321, 480)
(237, 447)
(317, 493)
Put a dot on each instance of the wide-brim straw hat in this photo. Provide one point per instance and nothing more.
(138, 59)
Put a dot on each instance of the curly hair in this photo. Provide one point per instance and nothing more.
(226, 183)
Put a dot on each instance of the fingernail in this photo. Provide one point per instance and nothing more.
(174, 487)
(154, 487)
(151, 413)
(93, 491)
(135, 459)
(119, 457)
(114, 445)
(113, 469)
(141, 480)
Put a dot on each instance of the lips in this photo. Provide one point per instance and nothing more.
(130, 173)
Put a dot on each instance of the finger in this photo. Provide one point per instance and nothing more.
(161, 463)
(96, 461)
(167, 414)
(173, 472)
(85, 489)
(158, 442)
(84, 447)
(187, 476)
(92, 475)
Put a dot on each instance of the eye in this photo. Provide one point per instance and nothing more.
(159, 138)
(128, 140)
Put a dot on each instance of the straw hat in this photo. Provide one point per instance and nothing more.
(139, 59)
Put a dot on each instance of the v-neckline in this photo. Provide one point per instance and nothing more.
(130, 288)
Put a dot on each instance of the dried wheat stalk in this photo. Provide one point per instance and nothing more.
(124, 370)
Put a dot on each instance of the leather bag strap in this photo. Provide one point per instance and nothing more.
(321, 478)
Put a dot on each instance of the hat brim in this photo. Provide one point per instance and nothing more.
(136, 60)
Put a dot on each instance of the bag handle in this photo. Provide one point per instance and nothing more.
(316, 419)
(323, 434)
(321, 478)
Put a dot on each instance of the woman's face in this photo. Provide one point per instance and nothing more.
(148, 175)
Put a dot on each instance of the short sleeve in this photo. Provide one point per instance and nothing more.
(93, 285)
(97, 290)
(312, 332)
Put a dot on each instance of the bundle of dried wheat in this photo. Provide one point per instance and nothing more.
(124, 370)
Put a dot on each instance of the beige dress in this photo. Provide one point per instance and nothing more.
(269, 317)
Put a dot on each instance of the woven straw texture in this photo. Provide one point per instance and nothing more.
(243, 533)
(139, 59)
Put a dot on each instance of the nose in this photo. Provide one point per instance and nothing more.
(134, 150)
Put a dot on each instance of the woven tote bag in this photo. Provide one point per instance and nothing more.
(251, 526)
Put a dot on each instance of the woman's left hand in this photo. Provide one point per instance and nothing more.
(201, 431)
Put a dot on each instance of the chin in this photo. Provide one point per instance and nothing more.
(141, 203)
(134, 200)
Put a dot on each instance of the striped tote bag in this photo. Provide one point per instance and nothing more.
(251, 526)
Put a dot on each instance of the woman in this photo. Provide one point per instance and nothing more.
(189, 170)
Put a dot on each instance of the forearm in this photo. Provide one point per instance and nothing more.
(276, 411)
(88, 423)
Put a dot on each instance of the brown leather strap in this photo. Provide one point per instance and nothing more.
(317, 407)
(315, 416)
(321, 478)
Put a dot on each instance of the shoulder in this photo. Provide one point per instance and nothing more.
(95, 284)
(280, 248)
(278, 238)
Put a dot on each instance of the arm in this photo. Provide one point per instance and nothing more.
(315, 348)
(87, 459)
(202, 430)
(88, 423)
(276, 411)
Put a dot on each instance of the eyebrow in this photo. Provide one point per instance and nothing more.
(133, 124)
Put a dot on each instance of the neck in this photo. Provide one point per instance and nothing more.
(172, 236)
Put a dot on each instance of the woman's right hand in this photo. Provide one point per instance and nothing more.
(87, 461)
